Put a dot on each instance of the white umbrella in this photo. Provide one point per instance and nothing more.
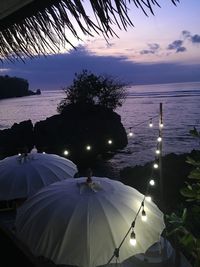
(77, 223)
(21, 176)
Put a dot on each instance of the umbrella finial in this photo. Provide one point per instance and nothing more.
(89, 176)
(34, 150)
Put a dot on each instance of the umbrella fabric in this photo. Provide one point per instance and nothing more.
(22, 176)
(74, 223)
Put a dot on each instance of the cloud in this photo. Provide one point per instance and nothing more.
(57, 71)
(4, 70)
(177, 46)
(181, 49)
(153, 49)
(195, 39)
(186, 34)
(145, 51)
(154, 46)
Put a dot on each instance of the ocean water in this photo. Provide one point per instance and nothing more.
(181, 112)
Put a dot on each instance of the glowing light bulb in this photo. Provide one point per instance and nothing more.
(133, 239)
(161, 125)
(43, 152)
(88, 147)
(152, 182)
(159, 139)
(110, 142)
(19, 154)
(157, 151)
(144, 216)
(130, 134)
(148, 198)
(155, 165)
(66, 152)
(150, 123)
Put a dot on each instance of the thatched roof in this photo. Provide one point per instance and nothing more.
(34, 27)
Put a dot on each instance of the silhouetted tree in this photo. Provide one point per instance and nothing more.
(88, 88)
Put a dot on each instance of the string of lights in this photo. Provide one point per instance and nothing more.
(88, 147)
(147, 197)
(150, 122)
(109, 142)
(151, 182)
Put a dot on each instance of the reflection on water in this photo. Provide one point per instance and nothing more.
(35, 108)
(181, 110)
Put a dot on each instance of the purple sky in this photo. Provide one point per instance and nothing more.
(160, 49)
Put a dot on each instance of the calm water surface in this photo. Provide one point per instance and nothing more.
(181, 112)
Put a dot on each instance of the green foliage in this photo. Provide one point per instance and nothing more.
(88, 88)
(185, 228)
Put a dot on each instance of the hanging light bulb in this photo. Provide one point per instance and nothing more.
(66, 152)
(133, 238)
(88, 147)
(19, 154)
(144, 216)
(155, 165)
(110, 142)
(159, 139)
(43, 152)
(161, 125)
(130, 134)
(150, 123)
(152, 182)
(148, 198)
(158, 151)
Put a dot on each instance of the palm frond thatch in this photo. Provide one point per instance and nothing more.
(41, 26)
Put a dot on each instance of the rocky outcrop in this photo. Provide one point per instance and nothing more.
(79, 127)
(15, 87)
(16, 139)
(73, 130)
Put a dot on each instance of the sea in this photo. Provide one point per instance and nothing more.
(181, 113)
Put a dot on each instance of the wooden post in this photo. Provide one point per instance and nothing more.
(160, 156)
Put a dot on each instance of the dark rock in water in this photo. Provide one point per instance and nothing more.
(16, 139)
(38, 92)
(73, 130)
(78, 127)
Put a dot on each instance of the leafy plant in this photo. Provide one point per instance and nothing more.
(184, 228)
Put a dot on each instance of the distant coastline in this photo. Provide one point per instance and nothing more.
(15, 87)
(28, 93)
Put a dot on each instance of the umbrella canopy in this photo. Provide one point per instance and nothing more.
(78, 223)
(22, 176)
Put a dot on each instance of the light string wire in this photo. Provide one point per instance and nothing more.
(147, 120)
(88, 147)
(159, 141)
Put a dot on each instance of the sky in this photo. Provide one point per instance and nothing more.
(163, 48)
